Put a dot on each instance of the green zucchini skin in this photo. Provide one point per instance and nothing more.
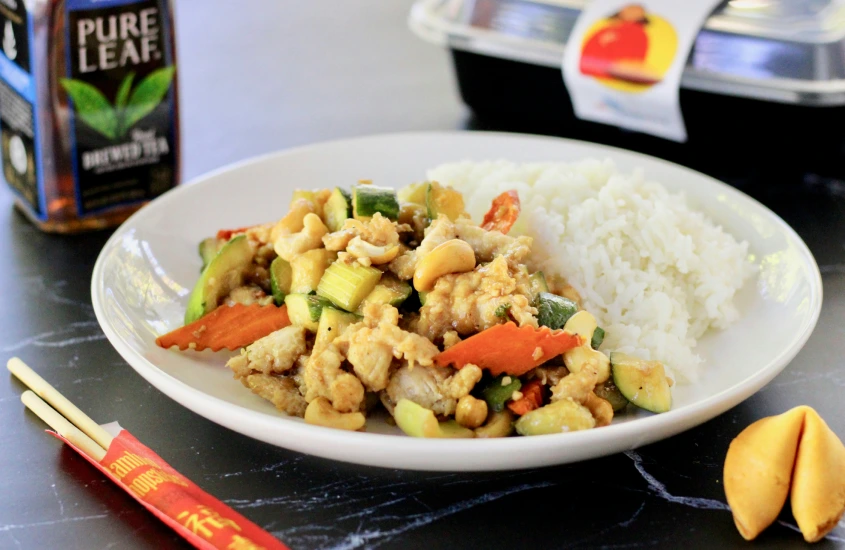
(643, 383)
(369, 199)
(389, 291)
(208, 249)
(538, 283)
(304, 310)
(553, 311)
(223, 273)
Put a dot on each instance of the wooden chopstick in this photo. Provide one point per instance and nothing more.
(64, 428)
(86, 426)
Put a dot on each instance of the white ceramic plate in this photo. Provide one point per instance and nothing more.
(144, 274)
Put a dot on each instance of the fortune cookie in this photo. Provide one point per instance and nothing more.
(818, 484)
(758, 469)
(796, 454)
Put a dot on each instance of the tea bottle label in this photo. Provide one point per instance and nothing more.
(18, 117)
(120, 91)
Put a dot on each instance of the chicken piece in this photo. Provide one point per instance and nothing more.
(324, 377)
(260, 234)
(248, 295)
(310, 237)
(372, 345)
(378, 231)
(415, 217)
(491, 244)
(281, 391)
(275, 353)
(470, 302)
(435, 388)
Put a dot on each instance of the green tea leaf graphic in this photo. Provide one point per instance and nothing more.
(147, 95)
(123, 91)
(92, 106)
(120, 103)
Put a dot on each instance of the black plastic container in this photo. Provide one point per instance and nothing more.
(759, 101)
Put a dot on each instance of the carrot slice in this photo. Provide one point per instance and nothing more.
(503, 213)
(532, 398)
(226, 234)
(509, 349)
(229, 327)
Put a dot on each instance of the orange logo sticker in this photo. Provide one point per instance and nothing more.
(629, 51)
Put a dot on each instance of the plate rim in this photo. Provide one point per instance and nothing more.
(637, 430)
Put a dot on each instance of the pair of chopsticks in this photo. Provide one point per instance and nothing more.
(59, 413)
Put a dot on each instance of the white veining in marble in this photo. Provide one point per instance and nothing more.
(659, 489)
(18, 526)
(70, 335)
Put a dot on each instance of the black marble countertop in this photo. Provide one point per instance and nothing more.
(319, 70)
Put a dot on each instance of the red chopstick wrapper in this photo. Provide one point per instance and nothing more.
(197, 516)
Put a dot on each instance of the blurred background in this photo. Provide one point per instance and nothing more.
(262, 75)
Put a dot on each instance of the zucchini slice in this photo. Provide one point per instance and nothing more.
(443, 200)
(223, 273)
(332, 323)
(389, 290)
(280, 280)
(609, 392)
(208, 250)
(554, 311)
(414, 193)
(369, 199)
(304, 310)
(308, 268)
(643, 383)
(346, 285)
(337, 209)
(538, 283)
(417, 421)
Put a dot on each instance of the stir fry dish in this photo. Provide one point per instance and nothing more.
(370, 297)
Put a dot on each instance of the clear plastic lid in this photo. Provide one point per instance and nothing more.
(788, 51)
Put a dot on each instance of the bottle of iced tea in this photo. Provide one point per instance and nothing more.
(89, 118)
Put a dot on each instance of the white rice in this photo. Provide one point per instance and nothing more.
(655, 273)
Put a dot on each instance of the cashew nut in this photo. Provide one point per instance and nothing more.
(377, 255)
(471, 412)
(321, 413)
(309, 238)
(293, 221)
(452, 256)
